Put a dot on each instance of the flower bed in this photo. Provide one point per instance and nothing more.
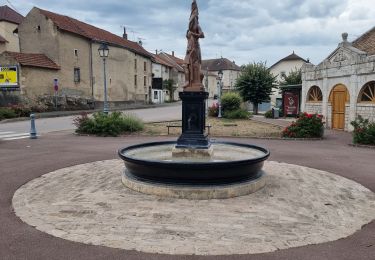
(364, 131)
(307, 126)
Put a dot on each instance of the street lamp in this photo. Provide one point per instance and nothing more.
(207, 90)
(220, 85)
(103, 52)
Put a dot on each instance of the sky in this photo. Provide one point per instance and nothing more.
(241, 30)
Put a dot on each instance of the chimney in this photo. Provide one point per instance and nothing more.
(173, 53)
(140, 42)
(125, 35)
(156, 52)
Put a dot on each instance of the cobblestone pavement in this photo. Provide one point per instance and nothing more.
(24, 160)
(299, 206)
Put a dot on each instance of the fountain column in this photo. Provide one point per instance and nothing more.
(193, 139)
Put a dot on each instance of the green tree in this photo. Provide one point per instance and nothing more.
(293, 78)
(169, 85)
(255, 83)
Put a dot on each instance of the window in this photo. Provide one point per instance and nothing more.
(145, 66)
(76, 52)
(135, 64)
(315, 94)
(38, 28)
(77, 75)
(367, 93)
(135, 80)
(145, 81)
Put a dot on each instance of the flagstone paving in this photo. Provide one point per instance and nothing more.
(299, 206)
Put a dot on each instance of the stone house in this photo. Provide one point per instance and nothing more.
(210, 82)
(29, 69)
(230, 70)
(9, 20)
(73, 45)
(342, 86)
(282, 67)
(173, 69)
(160, 72)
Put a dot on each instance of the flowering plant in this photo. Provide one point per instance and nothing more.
(364, 131)
(307, 126)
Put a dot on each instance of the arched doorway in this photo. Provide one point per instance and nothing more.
(338, 98)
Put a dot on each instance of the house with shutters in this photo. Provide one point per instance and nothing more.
(73, 46)
(342, 86)
(166, 66)
(230, 69)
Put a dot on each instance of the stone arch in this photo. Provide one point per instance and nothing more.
(367, 93)
(339, 87)
(314, 95)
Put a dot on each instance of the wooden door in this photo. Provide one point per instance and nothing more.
(338, 110)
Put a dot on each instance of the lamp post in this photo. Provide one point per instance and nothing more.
(207, 90)
(220, 77)
(103, 52)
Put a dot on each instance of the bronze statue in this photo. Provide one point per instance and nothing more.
(193, 58)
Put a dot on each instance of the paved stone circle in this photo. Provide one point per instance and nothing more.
(299, 206)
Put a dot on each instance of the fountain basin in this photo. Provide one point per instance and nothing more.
(230, 163)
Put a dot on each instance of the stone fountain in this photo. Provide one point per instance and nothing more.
(194, 167)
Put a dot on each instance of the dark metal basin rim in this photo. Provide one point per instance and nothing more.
(177, 172)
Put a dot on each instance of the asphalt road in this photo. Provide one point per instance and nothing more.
(47, 125)
(24, 160)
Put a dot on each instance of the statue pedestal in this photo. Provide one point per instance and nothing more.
(193, 122)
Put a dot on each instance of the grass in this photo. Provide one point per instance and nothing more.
(221, 127)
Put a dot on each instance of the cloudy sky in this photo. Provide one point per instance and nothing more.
(240, 30)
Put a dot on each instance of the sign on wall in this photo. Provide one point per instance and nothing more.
(8, 76)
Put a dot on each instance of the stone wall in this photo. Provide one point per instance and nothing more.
(366, 111)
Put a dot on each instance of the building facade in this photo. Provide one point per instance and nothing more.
(230, 71)
(73, 45)
(167, 66)
(343, 85)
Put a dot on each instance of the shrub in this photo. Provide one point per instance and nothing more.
(268, 114)
(231, 101)
(307, 126)
(364, 131)
(6, 113)
(213, 110)
(112, 124)
(20, 110)
(237, 114)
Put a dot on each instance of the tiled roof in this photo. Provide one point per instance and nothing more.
(9, 15)
(173, 60)
(366, 42)
(33, 60)
(159, 60)
(72, 25)
(2, 39)
(291, 57)
(219, 64)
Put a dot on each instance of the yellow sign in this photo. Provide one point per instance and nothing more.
(8, 76)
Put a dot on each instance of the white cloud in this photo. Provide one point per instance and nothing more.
(241, 30)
